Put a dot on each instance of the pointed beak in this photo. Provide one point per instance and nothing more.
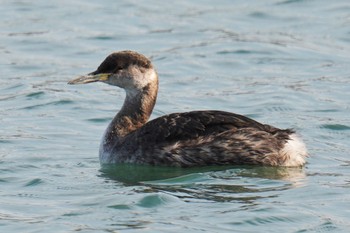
(90, 78)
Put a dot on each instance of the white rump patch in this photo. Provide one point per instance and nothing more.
(295, 152)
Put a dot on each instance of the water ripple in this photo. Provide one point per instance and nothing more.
(335, 127)
(155, 200)
(34, 182)
(58, 102)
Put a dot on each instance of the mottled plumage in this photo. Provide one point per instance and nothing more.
(186, 139)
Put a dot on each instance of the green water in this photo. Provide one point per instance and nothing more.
(285, 63)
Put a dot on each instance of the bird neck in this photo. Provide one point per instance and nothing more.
(136, 110)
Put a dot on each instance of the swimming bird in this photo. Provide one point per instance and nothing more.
(196, 138)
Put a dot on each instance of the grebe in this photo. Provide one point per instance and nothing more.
(188, 139)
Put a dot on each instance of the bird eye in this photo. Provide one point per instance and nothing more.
(118, 68)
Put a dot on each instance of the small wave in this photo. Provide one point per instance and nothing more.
(155, 200)
(34, 182)
(335, 127)
(59, 102)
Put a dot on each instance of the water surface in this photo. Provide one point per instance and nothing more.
(280, 62)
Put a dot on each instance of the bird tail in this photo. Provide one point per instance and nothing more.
(294, 151)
